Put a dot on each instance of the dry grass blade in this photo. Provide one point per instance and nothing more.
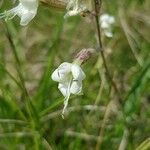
(17, 134)
(145, 145)
(83, 136)
(127, 33)
(124, 141)
(72, 109)
(12, 121)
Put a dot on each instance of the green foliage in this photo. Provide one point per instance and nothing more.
(30, 103)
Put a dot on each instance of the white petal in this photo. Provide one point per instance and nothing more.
(64, 68)
(59, 77)
(55, 76)
(104, 25)
(75, 7)
(27, 9)
(76, 87)
(29, 4)
(77, 72)
(63, 89)
(61, 74)
(108, 33)
(71, 13)
(106, 20)
(26, 18)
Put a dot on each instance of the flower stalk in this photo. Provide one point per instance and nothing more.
(101, 49)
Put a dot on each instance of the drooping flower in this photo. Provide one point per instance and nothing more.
(26, 10)
(69, 76)
(75, 7)
(106, 22)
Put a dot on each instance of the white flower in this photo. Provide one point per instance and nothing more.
(75, 7)
(70, 78)
(26, 10)
(106, 21)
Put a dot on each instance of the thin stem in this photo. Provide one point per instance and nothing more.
(101, 50)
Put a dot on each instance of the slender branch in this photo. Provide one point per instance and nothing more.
(101, 50)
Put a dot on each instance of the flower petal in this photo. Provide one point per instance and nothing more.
(75, 7)
(26, 18)
(63, 89)
(55, 76)
(29, 4)
(76, 87)
(61, 74)
(108, 32)
(107, 18)
(77, 72)
(64, 68)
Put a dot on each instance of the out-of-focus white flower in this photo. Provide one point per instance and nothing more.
(75, 7)
(69, 76)
(106, 22)
(26, 10)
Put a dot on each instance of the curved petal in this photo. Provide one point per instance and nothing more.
(77, 72)
(106, 20)
(55, 76)
(104, 24)
(76, 87)
(75, 7)
(64, 68)
(27, 13)
(29, 4)
(61, 74)
(26, 18)
(63, 89)
(108, 33)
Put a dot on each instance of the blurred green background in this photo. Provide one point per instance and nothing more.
(30, 103)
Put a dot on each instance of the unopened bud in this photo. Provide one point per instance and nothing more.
(84, 55)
